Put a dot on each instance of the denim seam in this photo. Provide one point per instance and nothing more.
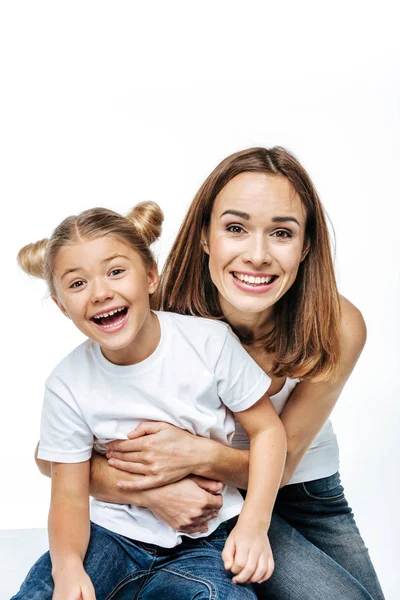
(323, 498)
(128, 579)
(191, 577)
(210, 545)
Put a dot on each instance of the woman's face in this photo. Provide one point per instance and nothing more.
(255, 243)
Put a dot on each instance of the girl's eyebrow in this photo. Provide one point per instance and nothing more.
(105, 260)
(246, 216)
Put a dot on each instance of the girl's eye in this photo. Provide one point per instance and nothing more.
(282, 233)
(235, 229)
(116, 271)
(76, 284)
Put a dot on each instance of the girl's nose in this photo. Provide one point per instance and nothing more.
(101, 291)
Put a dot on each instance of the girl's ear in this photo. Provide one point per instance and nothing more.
(60, 306)
(153, 278)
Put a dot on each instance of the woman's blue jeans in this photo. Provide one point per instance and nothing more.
(127, 570)
(318, 551)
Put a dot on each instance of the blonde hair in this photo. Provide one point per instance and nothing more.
(305, 337)
(140, 228)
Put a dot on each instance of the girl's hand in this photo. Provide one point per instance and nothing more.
(159, 451)
(73, 584)
(186, 505)
(247, 553)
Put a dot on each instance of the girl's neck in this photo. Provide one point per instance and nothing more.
(145, 343)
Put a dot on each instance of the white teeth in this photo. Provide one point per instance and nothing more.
(114, 324)
(251, 279)
(109, 314)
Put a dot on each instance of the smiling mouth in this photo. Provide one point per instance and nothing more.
(112, 318)
(254, 280)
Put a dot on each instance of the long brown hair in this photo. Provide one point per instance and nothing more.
(305, 337)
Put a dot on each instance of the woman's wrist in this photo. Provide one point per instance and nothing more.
(203, 456)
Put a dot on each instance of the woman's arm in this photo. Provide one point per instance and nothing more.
(311, 403)
(68, 545)
(186, 505)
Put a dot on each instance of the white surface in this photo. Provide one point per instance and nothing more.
(113, 104)
(19, 550)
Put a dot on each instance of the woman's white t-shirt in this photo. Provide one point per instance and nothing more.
(197, 375)
(321, 458)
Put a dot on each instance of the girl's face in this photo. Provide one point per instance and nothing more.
(255, 244)
(103, 286)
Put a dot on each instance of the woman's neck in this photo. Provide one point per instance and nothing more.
(251, 326)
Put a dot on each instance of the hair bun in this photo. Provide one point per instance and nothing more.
(31, 258)
(147, 218)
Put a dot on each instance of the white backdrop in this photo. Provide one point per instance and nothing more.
(109, 104)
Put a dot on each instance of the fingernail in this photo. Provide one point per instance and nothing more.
(111, 462)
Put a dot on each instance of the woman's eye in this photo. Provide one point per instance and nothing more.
(77, 284)
(116, 271)
(282, 233)
(235, 229)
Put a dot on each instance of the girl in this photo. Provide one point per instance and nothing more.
(138, 364)
(254, 252)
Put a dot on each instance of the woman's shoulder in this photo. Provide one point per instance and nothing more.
(353, 331)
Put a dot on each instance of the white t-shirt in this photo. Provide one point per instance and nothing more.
(198, 371)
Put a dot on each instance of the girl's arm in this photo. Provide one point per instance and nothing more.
(247, 552)
(165, 452)
(68, 545)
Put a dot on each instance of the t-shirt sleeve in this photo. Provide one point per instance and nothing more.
(64, 435)
(241, 382)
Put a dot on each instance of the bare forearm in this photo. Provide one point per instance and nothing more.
(68, 544)
(267, 460)
(222, 463)
(103, 483)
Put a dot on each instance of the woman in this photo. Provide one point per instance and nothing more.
(254, 251)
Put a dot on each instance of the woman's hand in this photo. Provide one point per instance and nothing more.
(73, 584)
(159, 451)
(247, 553)
(186, 505)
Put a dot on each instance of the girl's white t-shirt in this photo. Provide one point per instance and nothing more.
(197, 375)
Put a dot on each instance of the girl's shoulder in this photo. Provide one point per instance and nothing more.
(191, 323)
(74, 363)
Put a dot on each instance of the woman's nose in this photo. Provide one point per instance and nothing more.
(257, 252)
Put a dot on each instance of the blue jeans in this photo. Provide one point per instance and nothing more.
(318, 551)
(123, 569)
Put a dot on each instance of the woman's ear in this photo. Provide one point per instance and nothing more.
(61, 307)
(306, 250)
(204, 242)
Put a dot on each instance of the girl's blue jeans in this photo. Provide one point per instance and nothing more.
(123, 569)
(318, 551)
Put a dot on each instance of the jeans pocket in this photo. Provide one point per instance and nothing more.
(327, 489)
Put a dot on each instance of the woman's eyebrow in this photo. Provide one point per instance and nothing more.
(284, 220)
(237, 213)
(246, 216)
